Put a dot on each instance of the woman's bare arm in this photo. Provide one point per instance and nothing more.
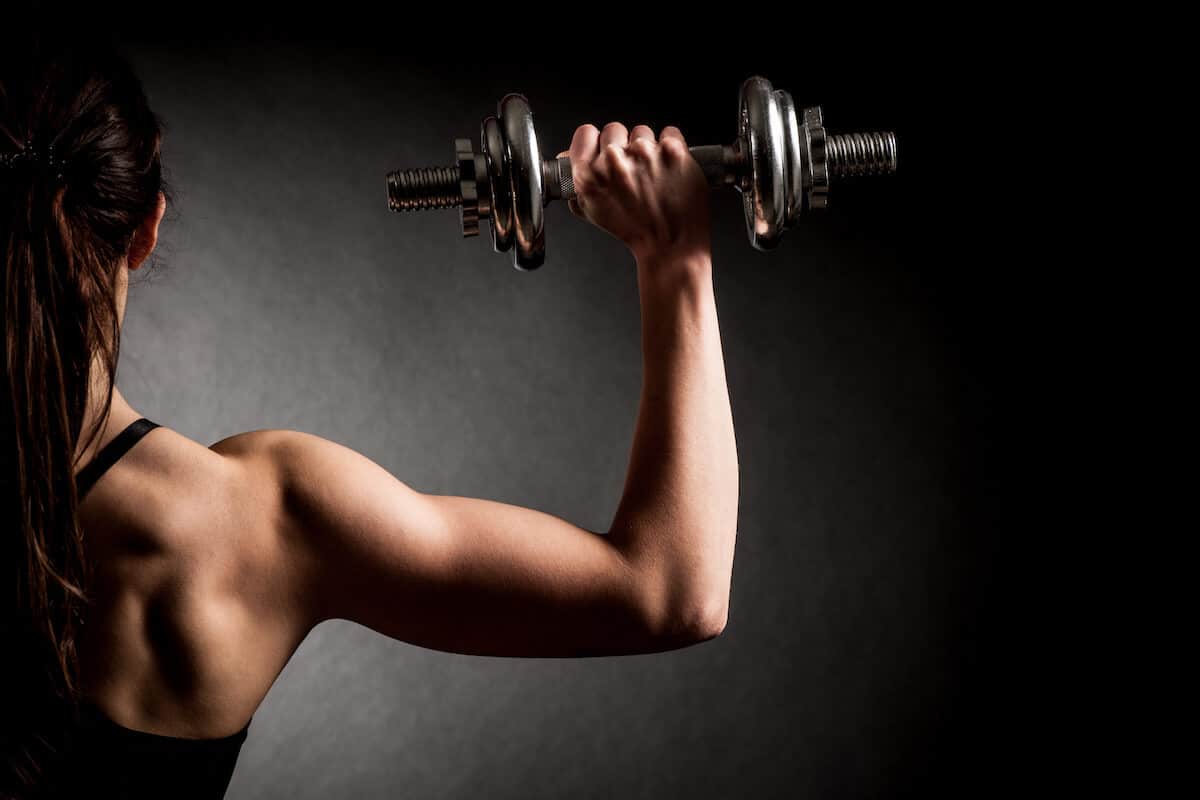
(476, 576)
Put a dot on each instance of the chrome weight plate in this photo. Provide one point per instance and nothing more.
(764, 190)
(496, 155)
(525, 175)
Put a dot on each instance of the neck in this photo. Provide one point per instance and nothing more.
(119, 415)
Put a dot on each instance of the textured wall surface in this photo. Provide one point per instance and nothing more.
(288, 296)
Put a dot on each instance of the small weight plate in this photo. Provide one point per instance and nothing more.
(492, 144)
(793, 174)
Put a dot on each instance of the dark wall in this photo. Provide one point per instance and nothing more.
(863, 369)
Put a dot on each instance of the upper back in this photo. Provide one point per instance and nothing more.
(193, 615)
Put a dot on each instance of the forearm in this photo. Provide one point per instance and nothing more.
(677, 518)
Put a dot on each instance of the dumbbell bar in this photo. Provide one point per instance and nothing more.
(781, 163)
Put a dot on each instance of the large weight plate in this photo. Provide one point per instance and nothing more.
(525, 177)
(760, 125)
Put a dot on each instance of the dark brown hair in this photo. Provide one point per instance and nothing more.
(63, 235)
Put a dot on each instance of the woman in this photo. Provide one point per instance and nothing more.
(157, 586)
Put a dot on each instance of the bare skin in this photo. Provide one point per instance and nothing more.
(214, 563)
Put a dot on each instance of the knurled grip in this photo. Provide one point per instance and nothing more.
(560, 184)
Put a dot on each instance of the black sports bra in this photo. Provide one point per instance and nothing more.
(108, 760)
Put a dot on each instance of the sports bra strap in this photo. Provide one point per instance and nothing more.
(109, 454)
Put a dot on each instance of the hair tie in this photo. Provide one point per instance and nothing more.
(33, 155)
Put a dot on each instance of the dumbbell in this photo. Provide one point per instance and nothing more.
(781, 162)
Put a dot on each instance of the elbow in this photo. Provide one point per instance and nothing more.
(687, 623)
(680, 604)
(707, 620)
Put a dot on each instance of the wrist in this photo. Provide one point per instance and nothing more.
(669, 268)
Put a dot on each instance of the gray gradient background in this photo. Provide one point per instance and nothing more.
(286, 295)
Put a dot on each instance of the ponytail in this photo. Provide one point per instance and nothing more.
(82, 172)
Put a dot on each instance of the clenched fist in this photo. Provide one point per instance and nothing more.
(649, 193)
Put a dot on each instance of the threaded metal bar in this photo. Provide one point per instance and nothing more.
(424, 188)
(861, 153)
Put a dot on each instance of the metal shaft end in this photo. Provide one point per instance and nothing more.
(424, 188)
(854, 154)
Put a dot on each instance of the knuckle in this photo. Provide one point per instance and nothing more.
(643, 147)
(613, 153)
(618, 158)
(674, 148)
